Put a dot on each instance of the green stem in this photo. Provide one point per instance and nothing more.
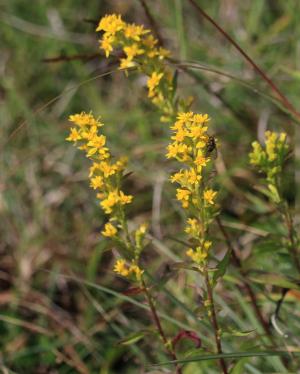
(214, 321)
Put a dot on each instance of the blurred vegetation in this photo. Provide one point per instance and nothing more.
(62, 308)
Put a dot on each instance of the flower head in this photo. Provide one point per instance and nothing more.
(121, 267)
(111, 24)
(109, 230)
(209, 196)
(183, 195)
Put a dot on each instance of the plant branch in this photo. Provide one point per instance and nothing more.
(214, 321)
(159, 327)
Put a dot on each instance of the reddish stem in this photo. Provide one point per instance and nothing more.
(159, 327)
(281, 96)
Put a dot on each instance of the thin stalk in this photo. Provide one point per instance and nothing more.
(264, 76)
(214, 321)
(159, 327)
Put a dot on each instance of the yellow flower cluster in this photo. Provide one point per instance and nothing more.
(109, 230)
(191, 148)
(141, 51)
(200, 253)
(269, 160)
(274, 151)
(105, 175)
(133, 270)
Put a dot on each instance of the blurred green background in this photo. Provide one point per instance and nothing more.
(51, 319)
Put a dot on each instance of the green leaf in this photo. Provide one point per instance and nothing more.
(238, 333)
(133, 338)
(239, 367)
(222, 267)
(275, 280)
(228, 356)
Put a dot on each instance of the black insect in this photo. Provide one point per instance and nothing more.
(210, 145)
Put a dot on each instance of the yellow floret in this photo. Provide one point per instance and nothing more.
(209, 196)
(109, 230)
(121, 267)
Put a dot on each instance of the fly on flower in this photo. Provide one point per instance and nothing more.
(211, 147)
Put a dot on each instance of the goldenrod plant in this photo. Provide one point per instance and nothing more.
(270, 159)
(163, 235)
(140, 50)
(106, 176)
(192, 146)
(149, 188)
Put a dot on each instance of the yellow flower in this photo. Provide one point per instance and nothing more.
(209, 196)
(132, 31)
(177, 177)
(111, 200)
(178, 125)
(200, 160)
(121, 267)
(271, 140)
(84, 119)
(198, 255)
(126, 63)
(106, 168)
(94, 168)
(180, 135)
(106, 44)
(139, 236)
(96, 143)
(270, 157)
(111, 24)
(186, 177)
(192, 176)
(200, 118)
(74, 135)
(96, 182)
(183, 196)
(153, 82)
(177, 149)
(257, 155)
(150, 42)
(133, 50)
(137, 271)
(193, 228)
(142, 229)
(109, 230)
(282, 137)
(87, 133)
(185, 116)
(206, 245)
(196, 132)
(125, 199)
